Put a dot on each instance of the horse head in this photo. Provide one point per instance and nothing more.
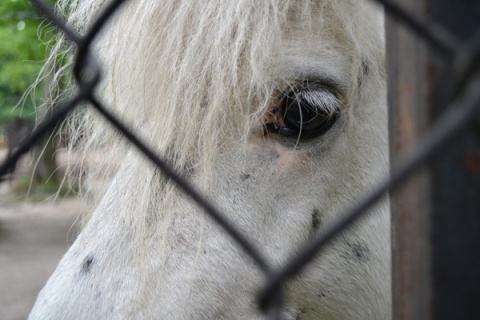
(276, 111)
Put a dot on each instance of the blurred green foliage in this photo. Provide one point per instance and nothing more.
(23, 34)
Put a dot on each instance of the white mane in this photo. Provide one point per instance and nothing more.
(209, 63)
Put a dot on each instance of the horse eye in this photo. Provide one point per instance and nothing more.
(308, 111)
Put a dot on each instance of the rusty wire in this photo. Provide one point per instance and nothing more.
(463, 110)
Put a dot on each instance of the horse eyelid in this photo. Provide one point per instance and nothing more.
(322, 97)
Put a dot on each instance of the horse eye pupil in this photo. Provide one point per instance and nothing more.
(300, 115)
(307, 113)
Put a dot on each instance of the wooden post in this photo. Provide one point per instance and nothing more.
(436, 214)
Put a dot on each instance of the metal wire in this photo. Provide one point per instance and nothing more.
(462, 111)
(84, 61)
(433, 33)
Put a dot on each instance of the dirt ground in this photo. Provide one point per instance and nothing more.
(34, 235)
(33, 238)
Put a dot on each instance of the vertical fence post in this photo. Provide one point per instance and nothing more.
(411, 209)
(436, 214)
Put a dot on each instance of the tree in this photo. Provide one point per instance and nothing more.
(23, 38)
(22, 50)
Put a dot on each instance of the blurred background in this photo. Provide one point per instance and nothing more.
(38, 207)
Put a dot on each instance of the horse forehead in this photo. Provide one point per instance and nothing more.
(307, 55)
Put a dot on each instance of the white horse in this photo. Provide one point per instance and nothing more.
(276, 110)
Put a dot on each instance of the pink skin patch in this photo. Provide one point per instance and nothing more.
(286, 158)
(289, 159)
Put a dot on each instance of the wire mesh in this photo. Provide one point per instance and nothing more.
(463, 110)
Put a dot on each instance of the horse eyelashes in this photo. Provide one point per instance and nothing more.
(307, 111)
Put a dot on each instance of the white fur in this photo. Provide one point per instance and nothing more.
(196, 79)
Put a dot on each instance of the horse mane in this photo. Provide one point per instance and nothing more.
(191, 77)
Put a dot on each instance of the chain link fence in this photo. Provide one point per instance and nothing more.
(460, 56)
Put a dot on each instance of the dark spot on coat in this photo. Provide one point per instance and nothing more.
(316, 220)
(363, 72)
(87, 264)
(301, 312)
(244, 176)
(323, 294)
(357, 251)
(274, 156)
